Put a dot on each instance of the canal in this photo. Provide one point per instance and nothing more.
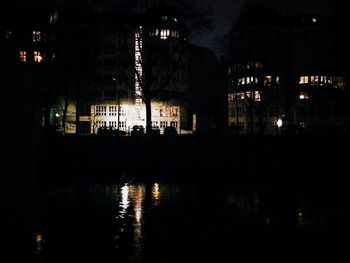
(182, 222)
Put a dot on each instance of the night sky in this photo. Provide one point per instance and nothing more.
(226, 13)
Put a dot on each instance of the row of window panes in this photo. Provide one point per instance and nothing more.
(112, 111)
(254, 80)
(315, 80)
(37, 56)
(249, 65)
(165, 18)
(37, 36)
(101, 110)
(243, 95)
(164, 124)
(122, 124)
(247, 80)
(101, 124)
(268, 80)
(165, 33)
(169, 112)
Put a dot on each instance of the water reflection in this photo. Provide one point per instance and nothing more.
(124, 203)
(138, 197)
(155, 194)
(132, 197)
(39, 243)
(202, 221)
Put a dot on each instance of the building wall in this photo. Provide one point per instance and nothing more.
(293, 65)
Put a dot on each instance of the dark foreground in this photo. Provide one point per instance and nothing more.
(191, 199)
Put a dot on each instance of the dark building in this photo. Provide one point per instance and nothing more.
(207, 95)
(102, 55)
(86, 69)
(287, 72)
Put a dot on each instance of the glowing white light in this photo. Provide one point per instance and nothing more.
(138, 67)
(279, 123)
(38, 57)
(125, 195)
(57, 115)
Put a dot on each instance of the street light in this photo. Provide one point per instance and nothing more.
(279, 123)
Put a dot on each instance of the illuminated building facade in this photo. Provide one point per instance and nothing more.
(113, 94)
(286, 70)
(118, 100)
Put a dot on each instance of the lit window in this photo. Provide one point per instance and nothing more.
(314, 80)
(163, 124)
(164, 18)
(113, 124)
(53, 17)
(239, 96)
(8, 35)
(304, 80)
(277, 80)
(38, 57)
(231, 97)
(122, 111)
(36, 36)
(122, 125)
(164, 33)
(257, 96)
(303, 95)
(101, 110)
(174, 124)
(112, 110)
(174, 112)
(175, 34)
(101, 124)
(268, 80)
(175, 19)
(322, 79)
(23, 56)
(156, 32)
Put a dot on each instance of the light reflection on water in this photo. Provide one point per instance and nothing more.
(145, 218)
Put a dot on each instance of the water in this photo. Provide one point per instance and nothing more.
(159, 222)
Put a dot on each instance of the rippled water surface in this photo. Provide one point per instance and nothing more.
(159, 222)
